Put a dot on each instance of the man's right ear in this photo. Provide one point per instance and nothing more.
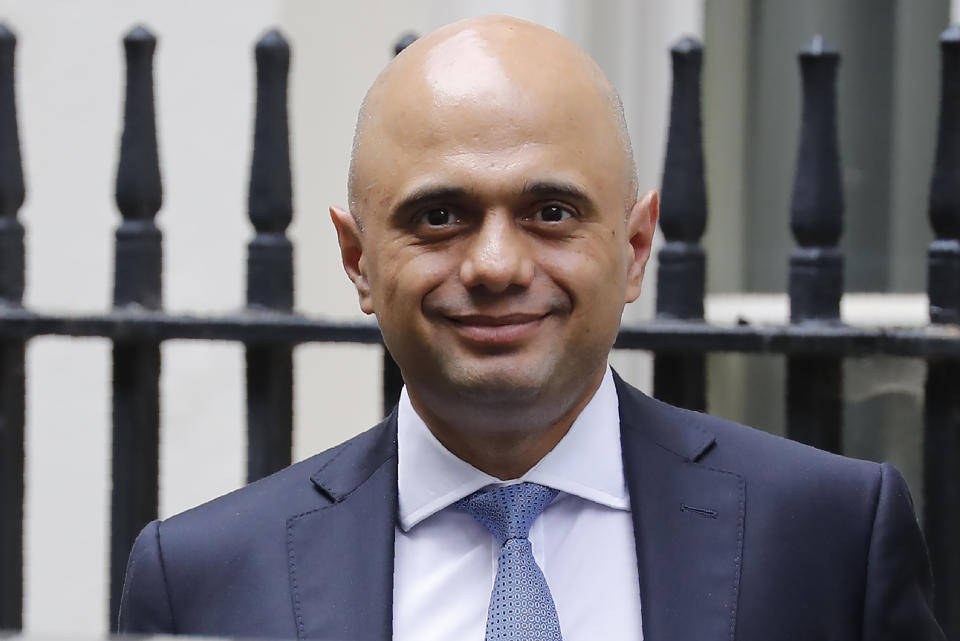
(350, 237)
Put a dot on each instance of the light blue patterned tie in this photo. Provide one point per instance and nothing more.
(521, 607)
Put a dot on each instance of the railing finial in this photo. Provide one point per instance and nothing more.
(816, 211)
(11, 178)
(11, 169)
(270, 253)
(271, 194)
(683, 210)
(943, 267)
(139, 253)
(139, 192)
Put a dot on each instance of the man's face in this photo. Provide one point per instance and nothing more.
(498, 244)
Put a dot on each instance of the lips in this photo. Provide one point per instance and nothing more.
(494, 330)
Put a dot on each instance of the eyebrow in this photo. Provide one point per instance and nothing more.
(437, 193)
(561, 188)
(428, 194)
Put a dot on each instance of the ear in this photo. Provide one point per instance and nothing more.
(350, 237)
(641, 224)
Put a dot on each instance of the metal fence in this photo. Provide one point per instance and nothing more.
(815, 341)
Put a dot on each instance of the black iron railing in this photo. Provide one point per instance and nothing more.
(815, 342)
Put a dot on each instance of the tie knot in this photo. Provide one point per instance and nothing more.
(508, 511)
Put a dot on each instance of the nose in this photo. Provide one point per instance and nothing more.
(498, 255)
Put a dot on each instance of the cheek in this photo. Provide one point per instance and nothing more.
(413, 274)
(591, 273)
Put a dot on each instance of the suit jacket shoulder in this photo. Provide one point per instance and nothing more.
(214, 569)
(815, 542)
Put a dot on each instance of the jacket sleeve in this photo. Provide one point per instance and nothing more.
(145, 600)
(899, 590)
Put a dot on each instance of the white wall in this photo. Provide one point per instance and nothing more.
(69, 76)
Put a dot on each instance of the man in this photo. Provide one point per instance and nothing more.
(495, 231)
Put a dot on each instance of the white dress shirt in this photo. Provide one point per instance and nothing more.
(446, 562)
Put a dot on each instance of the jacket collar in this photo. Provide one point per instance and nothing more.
(352, 463)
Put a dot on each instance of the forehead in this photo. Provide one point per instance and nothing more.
(473, 118)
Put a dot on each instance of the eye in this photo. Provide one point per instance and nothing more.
(438, 217)
(553, 214)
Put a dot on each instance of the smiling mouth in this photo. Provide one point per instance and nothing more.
(497, 330)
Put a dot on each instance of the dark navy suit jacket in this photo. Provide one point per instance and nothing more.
(740, 535)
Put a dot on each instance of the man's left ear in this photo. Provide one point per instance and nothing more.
(641, 224)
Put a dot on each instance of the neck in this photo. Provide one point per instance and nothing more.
(501, 441)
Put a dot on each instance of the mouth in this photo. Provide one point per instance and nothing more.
(497, 330)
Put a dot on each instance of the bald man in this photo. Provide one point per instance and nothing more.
(521, 490)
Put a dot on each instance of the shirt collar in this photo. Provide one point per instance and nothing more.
(586, 462)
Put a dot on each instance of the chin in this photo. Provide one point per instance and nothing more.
(493, 383)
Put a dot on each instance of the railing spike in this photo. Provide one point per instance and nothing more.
(943, 271)
(11, 178)
(816, 212)
(683, 210)
(139, 192)
(271, 193)
(11, 169)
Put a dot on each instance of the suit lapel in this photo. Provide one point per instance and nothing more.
(688, 522)
(341, 554)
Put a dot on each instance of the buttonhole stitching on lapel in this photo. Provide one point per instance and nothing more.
(700, 511)
(292, 564)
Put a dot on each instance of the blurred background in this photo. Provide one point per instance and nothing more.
(70, 99)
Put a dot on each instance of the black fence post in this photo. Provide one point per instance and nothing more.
(942, 408)
(137, 284)
(12, 384)
(815, 384)
(270, 264)
(680, 379)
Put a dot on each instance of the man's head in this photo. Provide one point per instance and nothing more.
(494, 228)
